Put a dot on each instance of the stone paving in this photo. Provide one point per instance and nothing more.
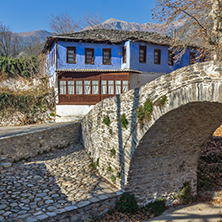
(50, 184)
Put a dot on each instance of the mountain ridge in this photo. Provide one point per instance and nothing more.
(40, 35)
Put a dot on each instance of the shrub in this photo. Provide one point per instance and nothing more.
(127, 204)
(185, 194)
(113, 178)
(148, 107)
(112, 152)
(118, 175)
(93, 164)
(106, 120)
(140, 114)
(156, 208)
(123, 121)
(161, 101)
(109, 170)
(22, 66)
(144, 112)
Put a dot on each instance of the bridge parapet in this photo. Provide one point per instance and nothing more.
(123, 158)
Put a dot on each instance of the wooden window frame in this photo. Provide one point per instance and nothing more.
(142, 48)
(159, 56)
(110, 54)
(170, 57)
(89, 50)
(192, 58)
(124, 54)
(67, 52)
(65, 86)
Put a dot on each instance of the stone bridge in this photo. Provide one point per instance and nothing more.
(156, 158)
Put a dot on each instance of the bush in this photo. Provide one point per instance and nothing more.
(185, 194)
(144, 112)
(156, 208)
(127, 204)
(148, 107)
(161, 101)
(106, 120)
(22, 66)
(123, 121)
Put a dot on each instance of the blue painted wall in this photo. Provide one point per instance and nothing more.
(149, 66)
(127, 64)
(186, 58)
(50, 66)
(132, 57)
(116, 56)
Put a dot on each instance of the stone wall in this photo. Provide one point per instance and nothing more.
(86, 212)
(155, 158)
(29, 144)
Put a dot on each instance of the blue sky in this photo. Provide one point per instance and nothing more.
(30, 15)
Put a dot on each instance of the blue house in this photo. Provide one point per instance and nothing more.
(88, 66)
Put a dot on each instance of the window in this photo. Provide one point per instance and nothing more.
(124, 86)
(71, 54)
(124, 54)
(70, 87)
(110, 87)
(107, 56)
(157, 56)
(95, 87)
(87, 87)
(103, 87)
(170, 57)
(118, 87)
(142, 54)
(89, 56)
(192, 58)
(62, 87)
(78, 87)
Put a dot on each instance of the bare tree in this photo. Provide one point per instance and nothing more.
(10, 43)
(62, 24)
(33, 46)
(90, 21)
(203, 22)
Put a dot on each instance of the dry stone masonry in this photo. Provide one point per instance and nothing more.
(25, 144)
(156, 158)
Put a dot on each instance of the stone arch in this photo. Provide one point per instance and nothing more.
(193, 93)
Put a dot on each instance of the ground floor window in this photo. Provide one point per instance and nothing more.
(70, 87)
(103, 87)
(78, 87)
(87, 87)
(62, 87)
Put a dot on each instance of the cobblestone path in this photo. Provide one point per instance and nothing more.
(50, 184)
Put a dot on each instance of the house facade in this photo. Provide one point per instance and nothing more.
(88, 66)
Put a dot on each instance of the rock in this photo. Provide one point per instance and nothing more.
(83, 203)
(3, 206)
(6, 165)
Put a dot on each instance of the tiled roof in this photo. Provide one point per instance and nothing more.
(110, 36)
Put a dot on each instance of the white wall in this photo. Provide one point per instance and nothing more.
(71, 112)
(137, 80)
